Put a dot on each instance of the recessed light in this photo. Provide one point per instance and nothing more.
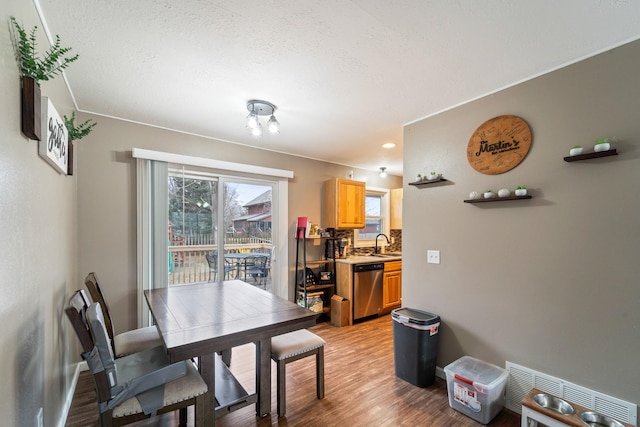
(388, 145)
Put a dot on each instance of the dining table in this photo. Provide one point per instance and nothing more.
(197, 320)
(240, 259)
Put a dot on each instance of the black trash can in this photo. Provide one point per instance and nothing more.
(415, 345)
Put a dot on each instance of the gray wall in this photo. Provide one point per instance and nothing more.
(107, 205)
(549, 283)
(38, 251)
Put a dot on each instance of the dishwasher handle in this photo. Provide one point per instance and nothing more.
(368, 267)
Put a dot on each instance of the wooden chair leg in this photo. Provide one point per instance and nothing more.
(106, 419)
(320, 373)
(281, 387)
(183, 417)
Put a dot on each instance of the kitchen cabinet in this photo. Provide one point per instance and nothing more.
(344, 204)
(392, 285)
(395, 209)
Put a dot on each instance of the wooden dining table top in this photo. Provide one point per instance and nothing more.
(202, 318)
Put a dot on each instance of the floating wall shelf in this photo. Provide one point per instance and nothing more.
(612, 152)
(497, 199)
(421, 184)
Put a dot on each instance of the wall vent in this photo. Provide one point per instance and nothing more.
(522, 380)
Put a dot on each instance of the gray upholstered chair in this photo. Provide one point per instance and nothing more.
(136, 386)
(293, 346)
(127, 342)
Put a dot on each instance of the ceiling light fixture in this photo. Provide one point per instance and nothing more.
(388, 145)
(383, 172)
(258, 108)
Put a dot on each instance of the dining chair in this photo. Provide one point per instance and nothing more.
(212, 260)
(127, 342)
(255, 267)
(292, 346)
(136, 386)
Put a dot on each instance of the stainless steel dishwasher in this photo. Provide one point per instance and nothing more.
(367, 289)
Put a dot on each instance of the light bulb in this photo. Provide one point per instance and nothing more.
(252, 119)
(257, 131)
(383, 172)
(273, 125)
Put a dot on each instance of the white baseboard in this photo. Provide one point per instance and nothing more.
(81, 366)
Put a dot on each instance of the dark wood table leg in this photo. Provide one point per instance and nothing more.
(263, 377)
(206, 403)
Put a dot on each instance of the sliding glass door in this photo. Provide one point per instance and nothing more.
(213, 214)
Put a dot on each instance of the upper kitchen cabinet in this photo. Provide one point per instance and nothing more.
(396, 208)
(344, 204)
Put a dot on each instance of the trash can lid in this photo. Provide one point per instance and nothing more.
(415, 316)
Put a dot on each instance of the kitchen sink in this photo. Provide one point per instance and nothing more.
(553, 403)
(598, 420)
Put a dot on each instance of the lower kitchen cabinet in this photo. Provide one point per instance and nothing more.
(392, 285)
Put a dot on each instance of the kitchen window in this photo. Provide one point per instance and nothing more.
(376, 218)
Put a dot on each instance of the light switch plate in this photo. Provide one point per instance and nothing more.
(433, 257)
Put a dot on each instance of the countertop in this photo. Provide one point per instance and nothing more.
(368, 259)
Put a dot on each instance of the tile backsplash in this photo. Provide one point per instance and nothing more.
(394, 235)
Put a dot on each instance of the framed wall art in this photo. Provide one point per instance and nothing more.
(54, 143)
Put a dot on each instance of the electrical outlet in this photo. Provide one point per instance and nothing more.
(433, 257)
(40, 418)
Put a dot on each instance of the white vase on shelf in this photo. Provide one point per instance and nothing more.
(576, 151)
(602, 147)
(489, 194)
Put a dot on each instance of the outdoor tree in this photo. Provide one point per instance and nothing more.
(192, 205)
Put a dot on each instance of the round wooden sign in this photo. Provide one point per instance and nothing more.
(499, 145)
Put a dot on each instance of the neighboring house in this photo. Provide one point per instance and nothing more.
(258, 216)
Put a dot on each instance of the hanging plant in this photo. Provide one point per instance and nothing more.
(80, 131)
(48, 66)
(76, 133)
(34, 69)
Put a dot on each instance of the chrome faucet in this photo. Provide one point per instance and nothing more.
(385, 236)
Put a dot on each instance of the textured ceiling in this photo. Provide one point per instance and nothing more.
(345, 75)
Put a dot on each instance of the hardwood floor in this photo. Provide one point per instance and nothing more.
(361, 388)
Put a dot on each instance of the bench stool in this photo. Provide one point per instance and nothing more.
(293, 346)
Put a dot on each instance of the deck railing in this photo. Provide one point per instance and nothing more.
(188, 263)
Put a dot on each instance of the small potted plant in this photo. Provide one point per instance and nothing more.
(577, 149)
(602, 144)
(521, 190)
(76, 133)
(432, 175)
(419, 177)
(489, 194)
(33, 69)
